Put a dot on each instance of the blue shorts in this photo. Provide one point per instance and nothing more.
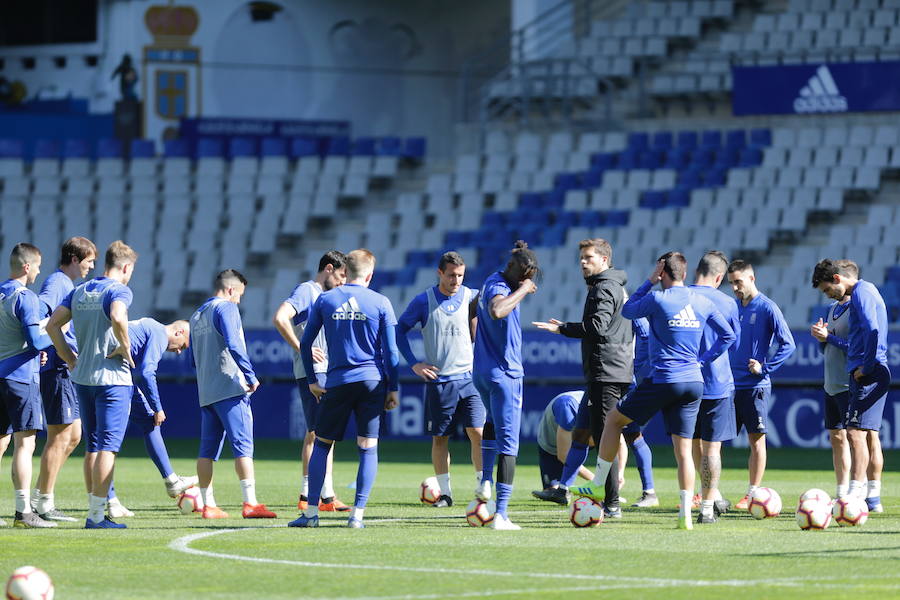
(20, 407)
(633, 427)
(583, 416)
(679, 403)
(449, 399)
(503, 403)
(104, 415)
(363, 399)
(751, 409)
(836, 409)
(715, 420)
(308, 401)
(867, 399)
(58, 395)
(551, 468)
(231, 417)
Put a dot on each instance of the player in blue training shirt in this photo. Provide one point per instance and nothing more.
(762, 324)
(677, 318)
(715, 421)
(446, 313)
(498, 373)
(554, 438)
(867, 367)
(101, 372)
(225, 381)
(290, 320)
(57, 392)
(21, 341)
(643, 456)
(362, 378)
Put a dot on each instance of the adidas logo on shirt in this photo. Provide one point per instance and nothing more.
(349, 311)
(820, 94)
(685, 318)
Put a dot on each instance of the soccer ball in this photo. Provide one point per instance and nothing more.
(429, 491)
(585, 512)
(765, 503)
(813, 514)
(190, 501)
(815, 494)
(480, 513)
(29, 583)
(850, 511)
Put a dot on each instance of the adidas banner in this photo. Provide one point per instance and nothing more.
(816, 88)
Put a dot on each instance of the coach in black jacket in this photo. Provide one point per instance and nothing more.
(607, 349)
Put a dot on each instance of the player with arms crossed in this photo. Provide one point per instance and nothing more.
(21, 341)
(225, 381)
(761, 324)
(101, 372)
(677, 317)
(290, 320)
(498, 373)
(446, 313)
(362, 378)
(868, 370)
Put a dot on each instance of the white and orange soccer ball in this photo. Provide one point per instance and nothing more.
(429, 491)
(815, 494)
(480, 513)
(813, 514)
(190, 501)
(850, 511)
(765, 503)
(585, 512)
(29, 583)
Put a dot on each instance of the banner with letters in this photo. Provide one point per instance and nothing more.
(221, 127)
(816, 88)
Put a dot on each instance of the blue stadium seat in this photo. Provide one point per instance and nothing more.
(241, 146)
(736, 138)
(703, 158)
(555, 235)
(143, 149)
(209, 148)
(273, 146)
(10, 148)
(760, 137)
(76, 148)
(687, 139)
(662, 140)
(750, 157)
(689, 179)
(530, 200)
(591, 218)
(389, 146)
(47, 149)
(176, 149)
(414, 148)
(566, 181)
(491, 219)
(727, 158)
(638, 141)
(364, 146)
(304, 146)
(591, 179)
(405, 277)
(711, 139)
(629, 160)
(109, 148)
(457, 239)
(554, 198)
(651, 159)
(678, 199)
(653, 199)
(715, 178)
(616, 218)
(337, 146)
(604, 160)
(678, 158)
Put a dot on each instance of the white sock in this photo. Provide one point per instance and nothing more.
(478, 478)
(857, 488)
(357, 513)
(874, 488)
(115, 500)
(842, 489)
(45, 504)
(718, 494)
(207, 495)
(305, 491)
(96, 508)
(706, 508)
(603, 467)
(35, 495)
(327, 485)
(312, 511)
(444, 484)
(650, 491)
(685, 505)
(22, 502)
(172, 478)
(248, 489)
(751, 488)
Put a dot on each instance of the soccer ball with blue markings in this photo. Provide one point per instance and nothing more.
(850, 511)
(480, 513)
(765, 503)
(585, 512)
(29, 583)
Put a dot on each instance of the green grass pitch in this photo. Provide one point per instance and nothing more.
(412, 551)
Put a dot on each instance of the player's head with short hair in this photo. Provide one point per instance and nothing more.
(332, 270)
(120, 259)
(674, 265)
(742, 279)
(25, 259)
(230, 284)
(78, 252)
(712, 268)
(179, 333)
(360, 266)
(522, 264)
(451, 272)
(835, 278)
(848, 267)
(595, 256)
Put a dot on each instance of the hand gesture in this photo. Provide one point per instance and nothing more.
(124, 354)
(819, 330)
(656, 275)
(529, 286)
(552, 325)
(318, 355)
(158, 418)
(425, 371)
(252, 387)
(754, 366)
(317, 391)
(392, 401)
(44, 357)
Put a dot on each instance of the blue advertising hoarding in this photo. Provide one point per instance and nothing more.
(193, 128)
(816, 88)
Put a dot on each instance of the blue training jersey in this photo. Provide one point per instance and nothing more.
(359, 326)
(54, 289)
(677, 318)
(718, 382)
(498, 342)
(641, 329)
(868, 328)
(761, 324)
(20, 337)
(149, 341)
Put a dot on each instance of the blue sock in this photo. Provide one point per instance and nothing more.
(488, 458)
(365, 475)
(644, 458)
(504, 491)
(574, 459)
(156, 448)
(112, 491)
(317, 462)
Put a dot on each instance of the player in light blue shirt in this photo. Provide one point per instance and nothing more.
(499, 374)
(677, 319)
(362, 378)
(290, 320)
(762, 325)
(21, 341)
(101, 372)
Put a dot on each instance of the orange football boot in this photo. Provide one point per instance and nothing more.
(256, 511)
(214, 512)
(334, 505)
(302, 503)
(743, 503)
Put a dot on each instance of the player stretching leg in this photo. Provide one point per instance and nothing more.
(362, 378)
(715, 421)
(289, 320)
(20, 344)
(677, 318)
(225, 381)
(554, 439)
(868, 370)
(446, 313)
(499, 373)
(57, 392)
(98, 310)
(761, 324)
